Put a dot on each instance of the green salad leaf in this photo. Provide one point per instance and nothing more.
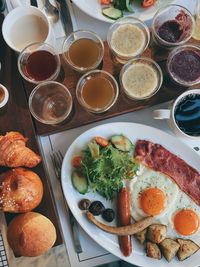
(106, 172)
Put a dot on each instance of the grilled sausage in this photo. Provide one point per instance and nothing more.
(124, 218)
(121, 230)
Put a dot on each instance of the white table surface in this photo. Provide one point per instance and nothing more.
(92, 254)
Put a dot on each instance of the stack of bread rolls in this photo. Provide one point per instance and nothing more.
(21, 191)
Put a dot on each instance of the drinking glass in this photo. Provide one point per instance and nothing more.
(183, 65)
(182, 28)
(50, 102)
(38, 62)
(83, 50)
(97, 91)
(141, 79)
(128, 29)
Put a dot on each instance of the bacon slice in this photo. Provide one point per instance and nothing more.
(160, 159)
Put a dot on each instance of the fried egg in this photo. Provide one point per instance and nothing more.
(156, 194)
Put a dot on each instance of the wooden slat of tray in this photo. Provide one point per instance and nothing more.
(79, 116)
(16, 117)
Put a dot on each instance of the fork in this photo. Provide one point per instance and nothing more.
(57, 158)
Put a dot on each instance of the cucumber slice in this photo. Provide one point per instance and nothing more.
(94, 149)
(112, 13)
(129, 6)
(79, 182)
(121, 142)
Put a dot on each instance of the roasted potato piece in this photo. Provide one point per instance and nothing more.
(187, 248)
(169, 248)
(156, 233)
(153, 251)
(141, 236)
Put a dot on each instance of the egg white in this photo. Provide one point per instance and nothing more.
(183, 201)
(175, 200)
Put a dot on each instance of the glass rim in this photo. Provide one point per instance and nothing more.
(156, 67)
(169, 58)
(166, 42)
(70, 63)
(132, 19)
(84, 104)
(52, 77)
(46, 121)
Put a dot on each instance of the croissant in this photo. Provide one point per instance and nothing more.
(14, 153)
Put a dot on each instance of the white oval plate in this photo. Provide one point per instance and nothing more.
(134, 132)
(94, 9)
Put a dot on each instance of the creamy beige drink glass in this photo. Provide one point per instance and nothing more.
(127, 38)
(26, 25)
(141, 78)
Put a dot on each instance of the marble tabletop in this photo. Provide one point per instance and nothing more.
(94, 255)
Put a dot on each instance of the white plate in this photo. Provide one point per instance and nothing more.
(110, 242)
(94, 9)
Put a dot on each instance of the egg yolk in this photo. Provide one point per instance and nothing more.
(152, 201)
(186, 222)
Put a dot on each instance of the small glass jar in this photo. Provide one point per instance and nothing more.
(38, 62)
(172, 25)
(83, 50)
(127, 38)
(141, 78)
(50, 102)
(183, 65)
(97, 91)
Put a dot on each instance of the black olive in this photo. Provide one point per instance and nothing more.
(108, 215)
(84, 204)
(96, 208)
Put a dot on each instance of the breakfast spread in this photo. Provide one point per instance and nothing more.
(14, 153)
(157, 198)
(157, 194)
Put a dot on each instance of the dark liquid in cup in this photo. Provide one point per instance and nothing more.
(185, 65)
(170, 31)
(84, 53)
(187, 114)
(40, 65)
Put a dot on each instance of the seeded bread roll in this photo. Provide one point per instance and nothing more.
(31, 234)
(21, 190)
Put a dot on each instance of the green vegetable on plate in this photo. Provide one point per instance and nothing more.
(105, 168)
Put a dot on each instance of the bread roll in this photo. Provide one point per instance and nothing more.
(31, 234)
(21, 190)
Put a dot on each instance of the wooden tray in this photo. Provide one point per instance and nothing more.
(16, 117)
(79, 116)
